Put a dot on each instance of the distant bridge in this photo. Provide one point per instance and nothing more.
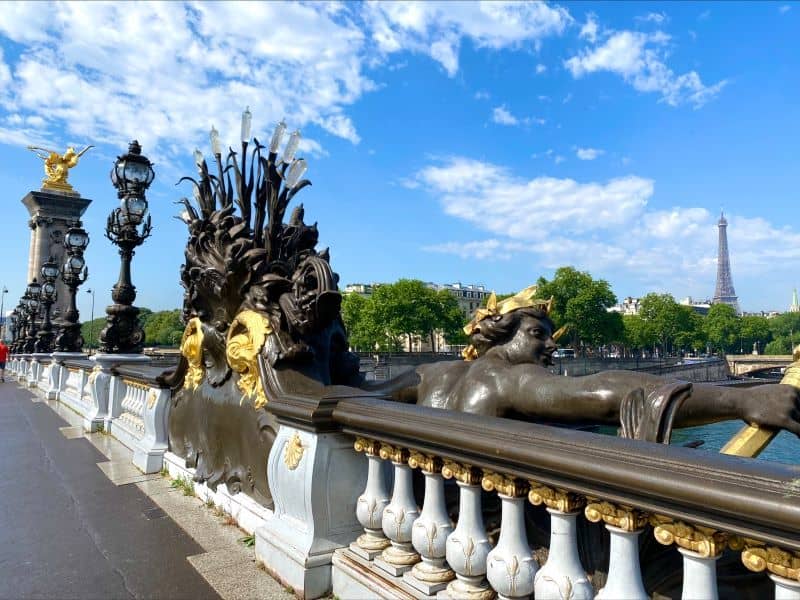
(750, 364)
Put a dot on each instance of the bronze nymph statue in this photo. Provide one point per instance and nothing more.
(513, 345)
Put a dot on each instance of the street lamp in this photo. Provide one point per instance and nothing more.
(21, 327)
(32, 302)
(73, 273)
(132, 175)
(50, 272)
(2, 314)
(91, 320)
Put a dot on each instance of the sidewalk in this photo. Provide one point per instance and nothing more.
(77, 520)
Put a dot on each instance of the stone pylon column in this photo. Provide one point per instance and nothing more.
(52, 213)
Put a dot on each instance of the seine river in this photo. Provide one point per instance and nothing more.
(785, 448)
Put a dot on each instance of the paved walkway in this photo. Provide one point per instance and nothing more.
(78, 521)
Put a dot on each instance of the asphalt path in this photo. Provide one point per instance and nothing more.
(67, 531)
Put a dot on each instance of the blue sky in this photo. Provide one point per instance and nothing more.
(481, 143)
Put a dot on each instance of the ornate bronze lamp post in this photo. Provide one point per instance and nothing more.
(21, 325)
(33, 291)
(132, 175)
(73, 273)
(47, 296)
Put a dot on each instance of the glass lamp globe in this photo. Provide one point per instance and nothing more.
(33, 288)
(76, 238)
(74, 265)
(48, 289)
(50, 270)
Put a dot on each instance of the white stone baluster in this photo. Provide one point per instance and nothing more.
(562, 576)
(510, 566)
(700, 546)
(783, 567)
(625, 524)
(371, 504)
(430, 530)
(468, 546)
(399, 516)
(786, 589)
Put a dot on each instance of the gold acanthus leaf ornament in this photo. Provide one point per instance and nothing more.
(503, 484)
(623, 517)
(555, 498)
(246, 337)
(293, 452)
(192, 350)
(705, 541)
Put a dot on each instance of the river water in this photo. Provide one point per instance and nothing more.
(785, 448)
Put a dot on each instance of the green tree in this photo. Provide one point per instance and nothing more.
(361, 331)
(784, 332)
(449, 319)
(582, 303)
(721, 326)
(661, 314)
(753, 329)
(690, 334)
(163, 328)
(638, 335)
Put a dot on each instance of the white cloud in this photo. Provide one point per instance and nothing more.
(482, 95)
(589, 29)
(588, 153)
(654, 17)
(540, 68)
(501, 116)
(558, 159)
(605, 227)
(639, 59)
(784, 8)
(567, 98)
(520, 208)
(185, 66)
(436, 28)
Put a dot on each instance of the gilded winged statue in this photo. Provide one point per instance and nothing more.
(57, 166)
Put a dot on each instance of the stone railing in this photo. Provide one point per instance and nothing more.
(701, 503)
(128, 403)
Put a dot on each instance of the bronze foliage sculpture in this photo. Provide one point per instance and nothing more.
(262, 309)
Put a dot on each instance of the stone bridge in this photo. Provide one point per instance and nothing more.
(748, 364)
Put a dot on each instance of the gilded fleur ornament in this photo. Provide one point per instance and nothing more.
(461, 472)
(192, 350)
(758, 557)
(246, 337)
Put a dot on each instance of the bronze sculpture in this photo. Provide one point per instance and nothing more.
(513, 346)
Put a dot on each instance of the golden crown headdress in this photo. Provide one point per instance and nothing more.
(523, 299)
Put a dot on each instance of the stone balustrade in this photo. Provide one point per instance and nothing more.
(130, 405)
(495, 459)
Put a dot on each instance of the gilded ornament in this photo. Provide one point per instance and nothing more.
(57, 166)
(464, 473)
(622, 517)
(246, 337)
(192, 350)
(93, 375)
(705, 541)
(293, 452)
(555, 498)
(393, 453)
(425, 462)
(366, 445)
(758, 557)
(523, 299)
(507, 486)
(152, 397)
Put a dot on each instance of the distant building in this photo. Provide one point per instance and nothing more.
(469, 296)
(795, 306)
(700, 307)
(629, 306)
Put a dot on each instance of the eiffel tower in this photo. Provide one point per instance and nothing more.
(724, 292)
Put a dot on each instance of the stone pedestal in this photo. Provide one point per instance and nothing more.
(315, 480)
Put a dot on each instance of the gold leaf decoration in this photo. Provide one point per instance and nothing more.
(705, 541)
(152, 397)
(555, 498)
(623, 517)
(246, 337)
(293, 452)
(192, 350)
(507, 486)
(425, 462)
